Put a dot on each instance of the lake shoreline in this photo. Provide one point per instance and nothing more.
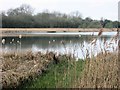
(15, 32)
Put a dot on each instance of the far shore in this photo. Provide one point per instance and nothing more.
(7, 32)
(60, 29)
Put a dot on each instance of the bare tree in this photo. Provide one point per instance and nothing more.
(23, 9)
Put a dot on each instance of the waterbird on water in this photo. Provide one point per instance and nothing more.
(10, 42)
(49, 42)
(3, 41)
(53, 40)
(79, 35)
(18, 42)
(13, 40)
(20, 36)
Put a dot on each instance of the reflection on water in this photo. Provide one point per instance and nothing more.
(79, 45)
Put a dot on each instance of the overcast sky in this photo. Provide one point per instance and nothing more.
(88, 8)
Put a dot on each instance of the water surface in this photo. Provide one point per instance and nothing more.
(77, 44)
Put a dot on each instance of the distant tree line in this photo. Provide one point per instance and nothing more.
(24, 17)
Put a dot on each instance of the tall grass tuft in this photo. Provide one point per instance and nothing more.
(103, 70)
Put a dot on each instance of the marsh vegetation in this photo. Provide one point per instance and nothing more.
(97, 65)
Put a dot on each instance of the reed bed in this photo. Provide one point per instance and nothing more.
(101, 71)
(18, 68)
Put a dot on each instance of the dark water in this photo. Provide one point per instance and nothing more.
(78, 44)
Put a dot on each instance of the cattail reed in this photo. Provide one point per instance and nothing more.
(100, 32)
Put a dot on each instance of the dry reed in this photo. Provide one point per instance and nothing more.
(102, 71)
(17, 68)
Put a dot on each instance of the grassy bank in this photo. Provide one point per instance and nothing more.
(96, 72)
(63, 75)
(48, 69)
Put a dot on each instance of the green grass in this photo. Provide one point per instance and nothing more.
(62, 75)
